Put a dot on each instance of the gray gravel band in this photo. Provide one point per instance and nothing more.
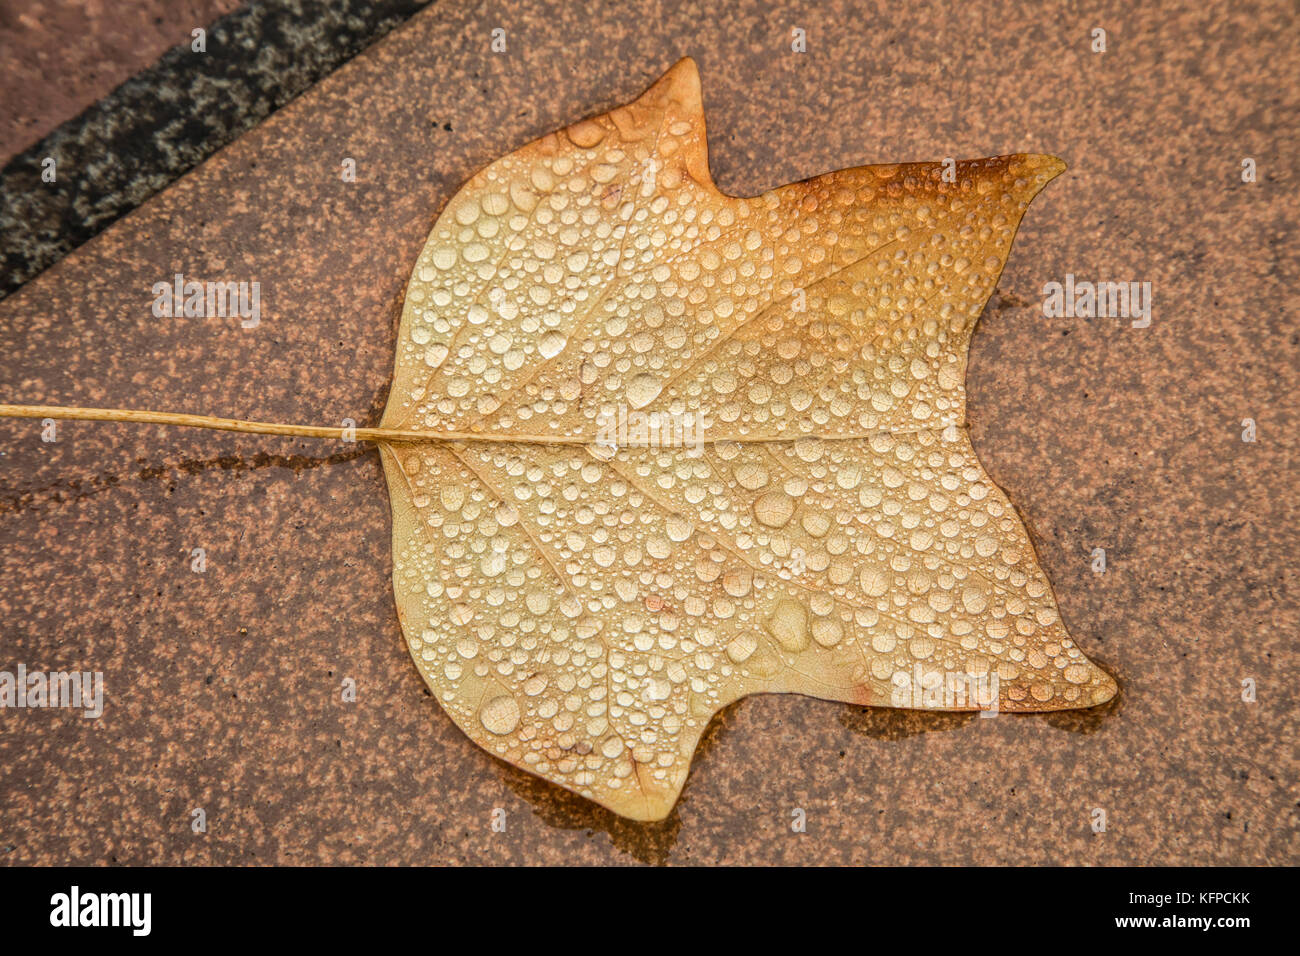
(165, 120)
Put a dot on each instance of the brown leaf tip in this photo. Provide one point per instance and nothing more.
(681, 84)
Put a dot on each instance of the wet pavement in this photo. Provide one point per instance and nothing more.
(224, 689)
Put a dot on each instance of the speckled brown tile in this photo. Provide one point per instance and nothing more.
(223, 689)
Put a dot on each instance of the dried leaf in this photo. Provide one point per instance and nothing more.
(721, 450)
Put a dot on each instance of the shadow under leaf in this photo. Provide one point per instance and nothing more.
(889, 723)
(49, 496)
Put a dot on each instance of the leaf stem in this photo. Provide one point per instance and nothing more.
(394, 435)
(268, 428)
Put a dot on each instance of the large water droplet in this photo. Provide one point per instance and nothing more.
(552, 344)
(642, 390)
(500, 715)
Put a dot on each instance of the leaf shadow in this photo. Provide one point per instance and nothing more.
(890, 723)
(1083, 722)
(648, 842)
(47, 497)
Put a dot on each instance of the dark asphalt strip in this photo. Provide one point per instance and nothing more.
(167, 119)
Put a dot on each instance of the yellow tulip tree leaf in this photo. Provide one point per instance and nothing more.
(651, 449)
(710, 447)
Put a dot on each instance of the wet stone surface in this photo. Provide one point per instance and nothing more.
(224, 690)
